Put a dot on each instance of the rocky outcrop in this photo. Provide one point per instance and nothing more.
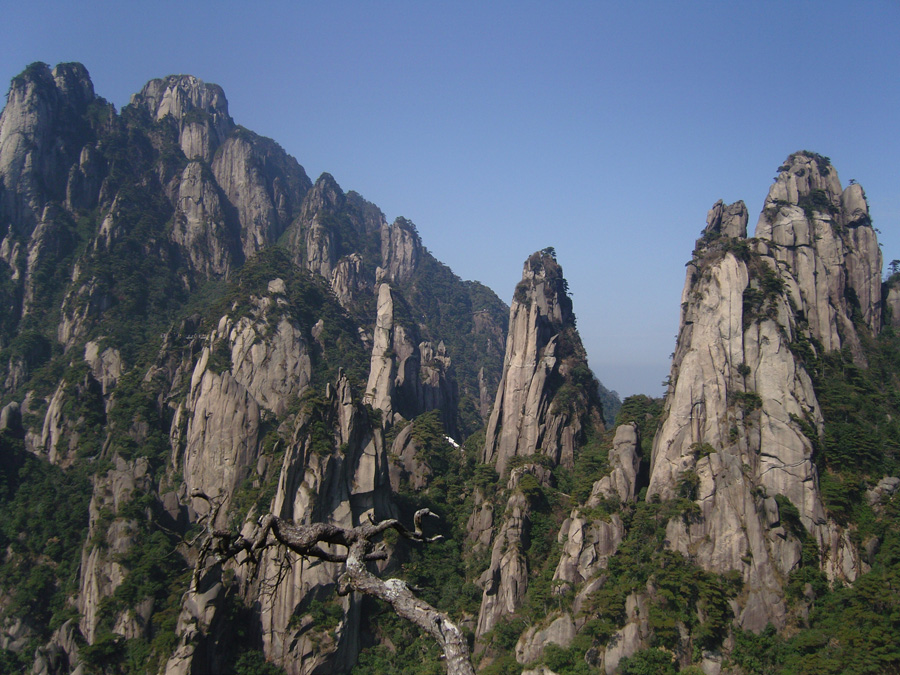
(106, 366)
(381, 371)
(741, 408)
(633, 636)
(546, 400)
(330, 235)
(348, 280)
(401, 249)
(547, 394)
(199, 109)
(505, 581)
(625, 460)
(201, 225)
(334, 470)
(50, 242)
(727, 220)
(41, 136)
(531, 645)
(405, 378)
(222, 440)
(263, 184)
(199, 610)
(892, 302)
(823, 235)
(408, 468)
(60, 656)
(587, 545)
(589, 539)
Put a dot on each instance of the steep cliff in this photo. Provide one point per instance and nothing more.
(546, 405)
(545, 397)
(742, 422)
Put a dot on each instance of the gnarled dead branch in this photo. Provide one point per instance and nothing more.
(361, 547)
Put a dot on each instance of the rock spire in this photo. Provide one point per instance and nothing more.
(741, 416)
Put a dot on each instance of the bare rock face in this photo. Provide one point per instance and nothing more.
(61, 654)
(546, 398)
(729, 221)
(741, 406)
(587, 546)
(269, 354)
(625, 459)
(531, 645)
(532, 411)
(249, 365)
(480, 526)
(195, 621)
(264, 185)
(60, 431)
(200, 110)
(824, 236)
(406, 378)
(334, 470)
(106, 365)
(201, 226)
(506, 580)
(587, 540)
(408, 467)
(381, 372)
(51, 240)
(348, 280)
(41, 137)
(634, 636)
(400, 250)
(892, 302)
(327, 237)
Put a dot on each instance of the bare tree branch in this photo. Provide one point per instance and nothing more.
(360, 548)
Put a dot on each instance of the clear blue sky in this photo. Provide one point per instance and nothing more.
(604, 129)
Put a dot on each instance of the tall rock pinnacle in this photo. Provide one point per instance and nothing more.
(547, 394)
(741, 415)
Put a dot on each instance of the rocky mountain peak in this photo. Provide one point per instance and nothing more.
(74, 84)
(543, 284)
(401, 249)
(545, 397)
(41, 134)
(200, 109)
(823, 235)
(742, 416)
(179, 95)
(730, 220)
(806, 175)
(325, 196)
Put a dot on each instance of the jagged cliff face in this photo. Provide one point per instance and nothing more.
(741, 418)
(109, 224)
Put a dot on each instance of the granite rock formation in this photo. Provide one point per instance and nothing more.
(741, 413)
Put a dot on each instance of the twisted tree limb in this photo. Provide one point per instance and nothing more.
(361, 548)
